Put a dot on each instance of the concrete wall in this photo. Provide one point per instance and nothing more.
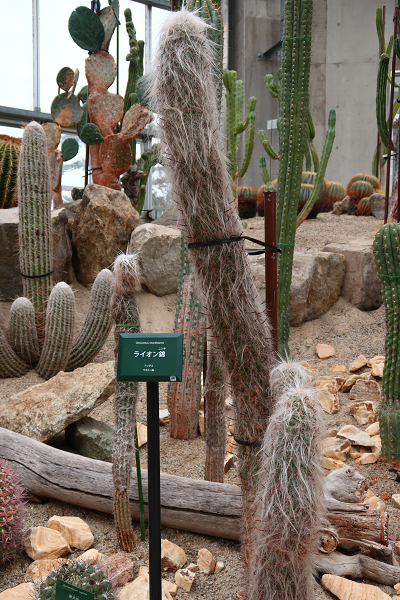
(343, 75)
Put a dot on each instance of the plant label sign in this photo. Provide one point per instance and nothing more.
(150, 357)
(67, 591)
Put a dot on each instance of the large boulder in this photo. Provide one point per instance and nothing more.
(43, 410)
(316, 282)
(91, 438)
(101, 230)
(361, 285)
(10, 276)
(158, 249)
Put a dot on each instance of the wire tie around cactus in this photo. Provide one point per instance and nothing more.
(39, 276)
(392, 276)
(283, 244)
(230, 240)
(250, 444)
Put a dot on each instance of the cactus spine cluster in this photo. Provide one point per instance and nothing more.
(202, 189)
(215, 424)
(387, 259)
(125, 313)
(9, 157)
(11, 513)
(85, 577)
(184, 397)
(290, 498)
(235, 126)
(41, 325)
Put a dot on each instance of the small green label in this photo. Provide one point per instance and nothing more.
(66, 591)
(150, 357)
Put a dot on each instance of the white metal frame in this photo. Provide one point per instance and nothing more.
(36, 53)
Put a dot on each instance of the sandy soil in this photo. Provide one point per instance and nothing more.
(349, 330)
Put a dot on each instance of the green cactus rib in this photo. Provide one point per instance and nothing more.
(307, 155)
(97, 323)
(271, 85)
(145, 163)
(135, 58)
(22, 330)
(34, 227)
(267, 145)
(387, 259)
(381, 99)
(264, 173)
(125, 313)
(60, 323)
(326, 152)
(9, 157)
(294, 100)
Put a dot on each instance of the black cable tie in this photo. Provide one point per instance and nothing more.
(39, 276)
(250, 444)
(230, 240)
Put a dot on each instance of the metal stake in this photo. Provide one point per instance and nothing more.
(271, 275)
(154, 497)
(395, 19)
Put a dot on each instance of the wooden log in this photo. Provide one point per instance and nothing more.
(190, 504)
(358, 566)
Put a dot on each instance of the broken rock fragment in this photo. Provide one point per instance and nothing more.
(357, 364)
(172, 556)
(44, 543)
(363, 412)
(184, 579)
(355, 435)
(74, 530)
(206, 561)
(325, 351)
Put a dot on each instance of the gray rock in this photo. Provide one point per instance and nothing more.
(315, 287)
(158, 250)
(377, 204)
(101, 229)
(361, 285)
(340, 208)
(43, 410)
(91, 438)
(10, 277)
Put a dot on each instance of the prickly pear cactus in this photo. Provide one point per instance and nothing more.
(86, 577)
(387, 259)
(11, 512)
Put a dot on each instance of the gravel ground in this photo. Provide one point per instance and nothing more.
(349, 330)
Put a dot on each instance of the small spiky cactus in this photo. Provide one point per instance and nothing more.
(22, 330)
(125, 312)
(97, 323)
(387, 259)
(184, 397)
(9, 156)
(335, 192)
(11, 364)
(83, 576)
(289, 500)
(356, 190)
(202, 189)
(11, 512)
(247, 201)
(34, 228)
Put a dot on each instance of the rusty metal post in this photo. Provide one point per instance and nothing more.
(172, 5)
(378, 144)
(271, 273)
(390, 145)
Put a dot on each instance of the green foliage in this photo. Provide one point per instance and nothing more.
(86, 29)
(77, 194)
(82, 94)
(381, 99)
(69, 148)
(90, 134)
(387, 259)
(83, 120)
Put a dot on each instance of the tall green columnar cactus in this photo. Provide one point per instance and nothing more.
(184, 398)
(293, 134)
(34, 228)
(135, 70)
(387, 260)
(9, 157)
(235, 126)
(125, 313)
(289, 499)
(201, 187)
(215, 424)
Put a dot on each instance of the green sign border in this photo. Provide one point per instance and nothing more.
(131, 367)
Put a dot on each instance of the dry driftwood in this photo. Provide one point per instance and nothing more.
(190, 504)
(358, 566)
(345, 490)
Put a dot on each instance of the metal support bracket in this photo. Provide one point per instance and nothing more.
(275, 50)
